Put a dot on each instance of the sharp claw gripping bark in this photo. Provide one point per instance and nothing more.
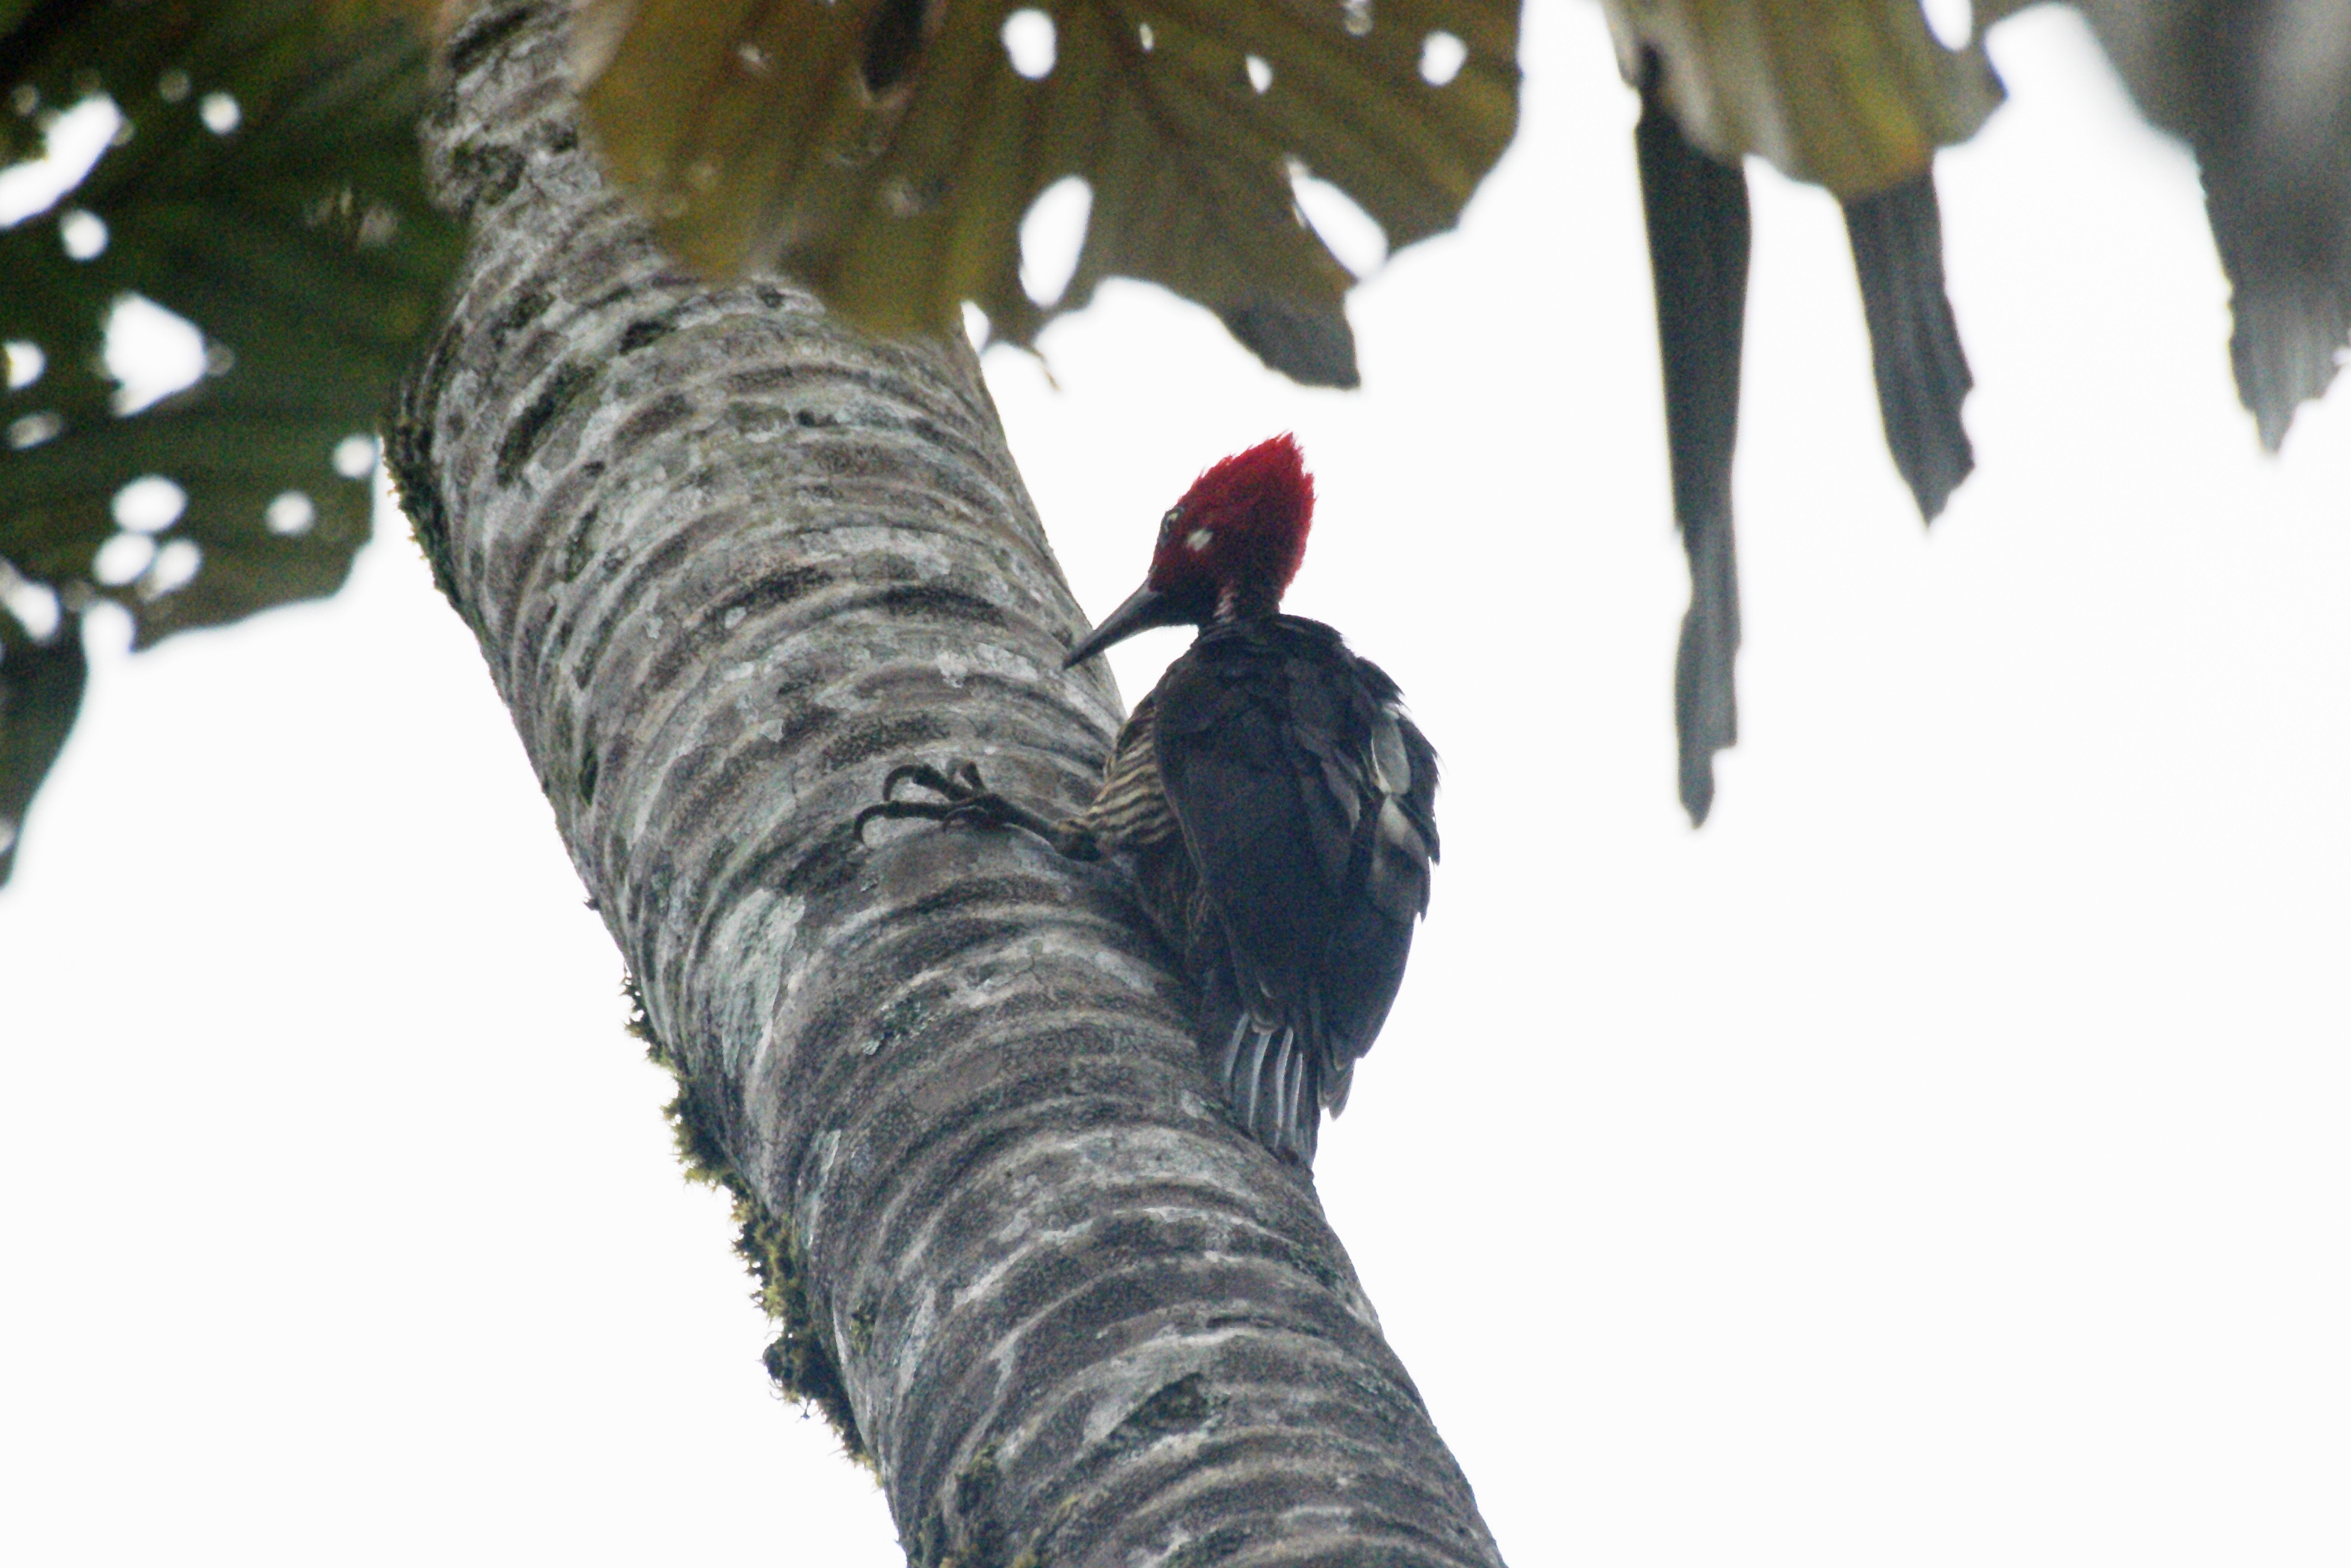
(964, 800)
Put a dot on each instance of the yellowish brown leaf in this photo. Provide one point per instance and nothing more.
(885, 151)
(1855, 95)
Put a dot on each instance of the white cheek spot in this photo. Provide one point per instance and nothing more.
(1197, 540)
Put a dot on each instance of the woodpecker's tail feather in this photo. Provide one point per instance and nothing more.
(1272, 1079)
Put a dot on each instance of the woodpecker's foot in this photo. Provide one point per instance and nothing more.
(964, 801)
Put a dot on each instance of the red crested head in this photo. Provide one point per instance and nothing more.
(1237, 535)
(1227, 549)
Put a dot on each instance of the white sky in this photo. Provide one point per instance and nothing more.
(1943, 1158)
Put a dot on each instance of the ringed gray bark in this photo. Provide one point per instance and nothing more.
(725, 560)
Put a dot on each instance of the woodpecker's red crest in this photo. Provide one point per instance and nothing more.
(1242, 525)
(1230, 546)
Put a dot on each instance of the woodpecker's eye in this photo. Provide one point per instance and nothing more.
(1167, 524)
(1198, 540)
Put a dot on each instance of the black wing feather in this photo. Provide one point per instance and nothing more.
(1307, 803)
(1230, 780)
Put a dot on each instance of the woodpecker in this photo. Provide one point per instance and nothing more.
(1276, 804)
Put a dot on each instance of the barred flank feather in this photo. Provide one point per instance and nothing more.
(1132, 809)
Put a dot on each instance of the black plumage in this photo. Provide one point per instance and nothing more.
(1282, 810)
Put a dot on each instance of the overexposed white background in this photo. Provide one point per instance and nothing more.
(1944, 1157)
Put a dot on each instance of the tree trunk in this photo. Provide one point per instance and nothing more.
(727, 561)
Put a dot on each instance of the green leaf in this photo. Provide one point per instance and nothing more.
(1855, 95)
(41, 691)
(884, 152)
(265, 188)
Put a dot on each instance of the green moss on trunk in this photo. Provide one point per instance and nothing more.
(802, 1357)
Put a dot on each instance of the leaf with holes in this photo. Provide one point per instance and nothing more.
(262, 204)
(1855, 95)
(885, 151)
